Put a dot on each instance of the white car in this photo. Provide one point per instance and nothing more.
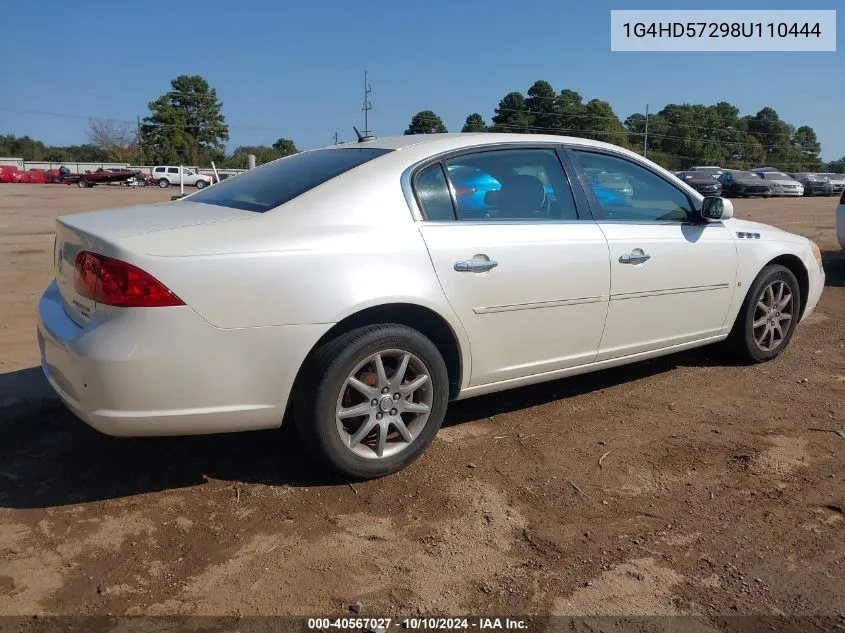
(782, 184)
(838, 183)
(166, 175)
(360, 289)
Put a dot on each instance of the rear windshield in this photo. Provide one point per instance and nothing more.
(275, 183)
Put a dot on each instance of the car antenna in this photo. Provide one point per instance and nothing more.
(361, 137)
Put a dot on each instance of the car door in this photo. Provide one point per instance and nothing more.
(527, 276)
(672, 276)
(173, 175)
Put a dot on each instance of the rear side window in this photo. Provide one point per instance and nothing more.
(281, 181)
(433, 194)
(172, 170)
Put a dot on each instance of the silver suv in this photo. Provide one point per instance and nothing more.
(167, 175)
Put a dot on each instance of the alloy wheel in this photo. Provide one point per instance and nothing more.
(384, 404)
(773, 315)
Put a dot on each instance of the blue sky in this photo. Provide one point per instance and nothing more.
(294, 69)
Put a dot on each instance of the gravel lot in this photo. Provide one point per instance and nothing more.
(683, 485)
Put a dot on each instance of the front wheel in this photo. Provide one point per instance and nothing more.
(769, 314)
(370, 401)
(200, 184)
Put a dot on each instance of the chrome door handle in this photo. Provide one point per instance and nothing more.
(475, 265)
(634, 258)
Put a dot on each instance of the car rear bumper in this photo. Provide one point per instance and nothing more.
(165, 371)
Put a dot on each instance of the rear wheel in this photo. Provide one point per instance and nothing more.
(164, 183)
(82, 183)
(769, 314)
(370, 401)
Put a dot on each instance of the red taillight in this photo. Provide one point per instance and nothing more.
(116, 283)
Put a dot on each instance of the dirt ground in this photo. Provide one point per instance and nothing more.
(682, 485)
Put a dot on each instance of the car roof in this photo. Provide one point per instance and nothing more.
(436, 143)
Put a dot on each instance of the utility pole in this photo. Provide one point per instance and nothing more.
(645, 138)
(367, 105)
(335, 138)
(138, 138)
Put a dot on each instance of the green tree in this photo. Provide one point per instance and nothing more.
(474, 123)
(570, 111)
(185, 124)
(836, 166)
(773, 134)
(425, 122)
(602, 124)
(22, 147)
(542, 105)
(239, 160)
(512, 115)
(284, 147)
(804, 139)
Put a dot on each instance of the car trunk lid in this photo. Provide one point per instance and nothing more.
(102, 232)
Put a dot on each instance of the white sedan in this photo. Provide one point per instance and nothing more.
(361, 287)
(782, 184)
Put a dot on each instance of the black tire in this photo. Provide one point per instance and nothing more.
(164, 183)
(742, 342)
(82, 183)
(201, 184)
(324, 377)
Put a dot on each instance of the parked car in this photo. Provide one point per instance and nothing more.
(338, 288)
(837, 183)
(782, 184)
(840, 221)
(702, 182)
(743, 184)
(166, 175)
(814, 184)
(711, 170)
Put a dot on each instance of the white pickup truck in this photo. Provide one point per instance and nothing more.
(167, 175)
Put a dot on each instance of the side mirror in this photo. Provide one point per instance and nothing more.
(716, 208)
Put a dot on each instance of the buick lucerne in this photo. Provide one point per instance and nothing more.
(357, 289)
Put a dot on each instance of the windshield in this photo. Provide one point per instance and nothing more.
(282, 180)
(744, 174)
(775, 175)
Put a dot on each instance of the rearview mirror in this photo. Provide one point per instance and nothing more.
(716, 208)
